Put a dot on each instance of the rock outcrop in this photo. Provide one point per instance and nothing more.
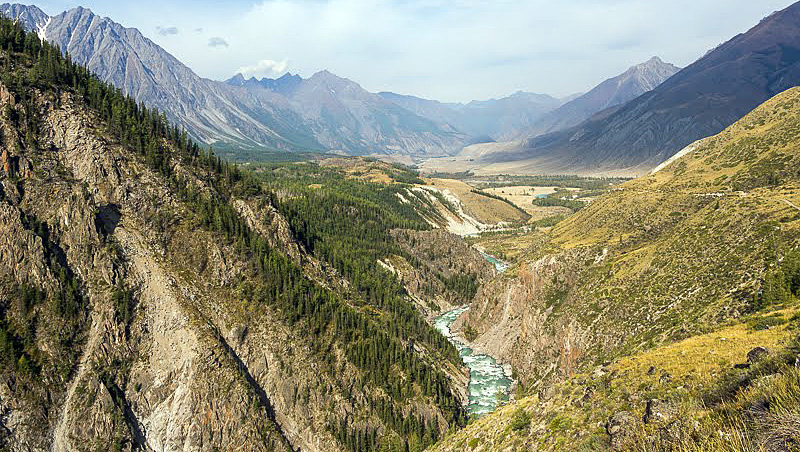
(148, 338)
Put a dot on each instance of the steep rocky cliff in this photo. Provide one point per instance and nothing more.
(152, 297)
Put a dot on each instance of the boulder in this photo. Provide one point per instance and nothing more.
(621, 428)
(757, 354)
(657, 411)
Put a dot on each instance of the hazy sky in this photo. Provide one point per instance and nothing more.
(451, 50)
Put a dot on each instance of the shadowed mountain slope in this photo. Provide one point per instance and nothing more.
(699, 101)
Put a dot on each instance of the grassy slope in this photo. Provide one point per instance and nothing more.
(687, 248)
(690, 243)
(484, 209)
(572, 415)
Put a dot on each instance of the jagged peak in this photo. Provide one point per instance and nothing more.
(332, 80)
(31, 16)
(81, 11)
(20, 6)
(653, 63)
(289, 75)
(325, 75)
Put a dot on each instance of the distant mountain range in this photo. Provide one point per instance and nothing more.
(323, 113)
(630, 122)
(246, 117)
(342, 116)
(491, 120)
(526, 115)
(697, 102)
(615, 91)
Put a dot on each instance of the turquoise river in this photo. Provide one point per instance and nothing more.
(488, 382)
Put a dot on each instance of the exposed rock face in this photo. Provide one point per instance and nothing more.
(191, 364)
(146, 381)
(291, 114)
(515, 323)
(31, 17)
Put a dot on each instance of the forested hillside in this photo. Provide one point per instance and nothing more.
(147, 282)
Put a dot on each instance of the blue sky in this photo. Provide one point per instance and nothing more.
(451, 50)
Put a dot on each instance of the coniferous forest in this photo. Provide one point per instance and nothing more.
(346, 224)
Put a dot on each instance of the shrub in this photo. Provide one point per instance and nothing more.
(765, 323)
(558, 202)
(521, 420)
(549, 221)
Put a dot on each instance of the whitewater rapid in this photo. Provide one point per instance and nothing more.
(488, 383)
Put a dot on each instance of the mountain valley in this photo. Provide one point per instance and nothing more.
(299, 264)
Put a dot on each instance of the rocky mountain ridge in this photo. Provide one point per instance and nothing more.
(228, 116)
(697, 102)
(524, 115)
(618, 90)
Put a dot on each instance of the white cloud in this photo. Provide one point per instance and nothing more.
(167, 31)
(265, 68)
(217, 42)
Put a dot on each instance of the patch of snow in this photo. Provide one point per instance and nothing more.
(42, 31)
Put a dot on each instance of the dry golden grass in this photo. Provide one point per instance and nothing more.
(484, 209)
(523, 196)
(704, 357)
